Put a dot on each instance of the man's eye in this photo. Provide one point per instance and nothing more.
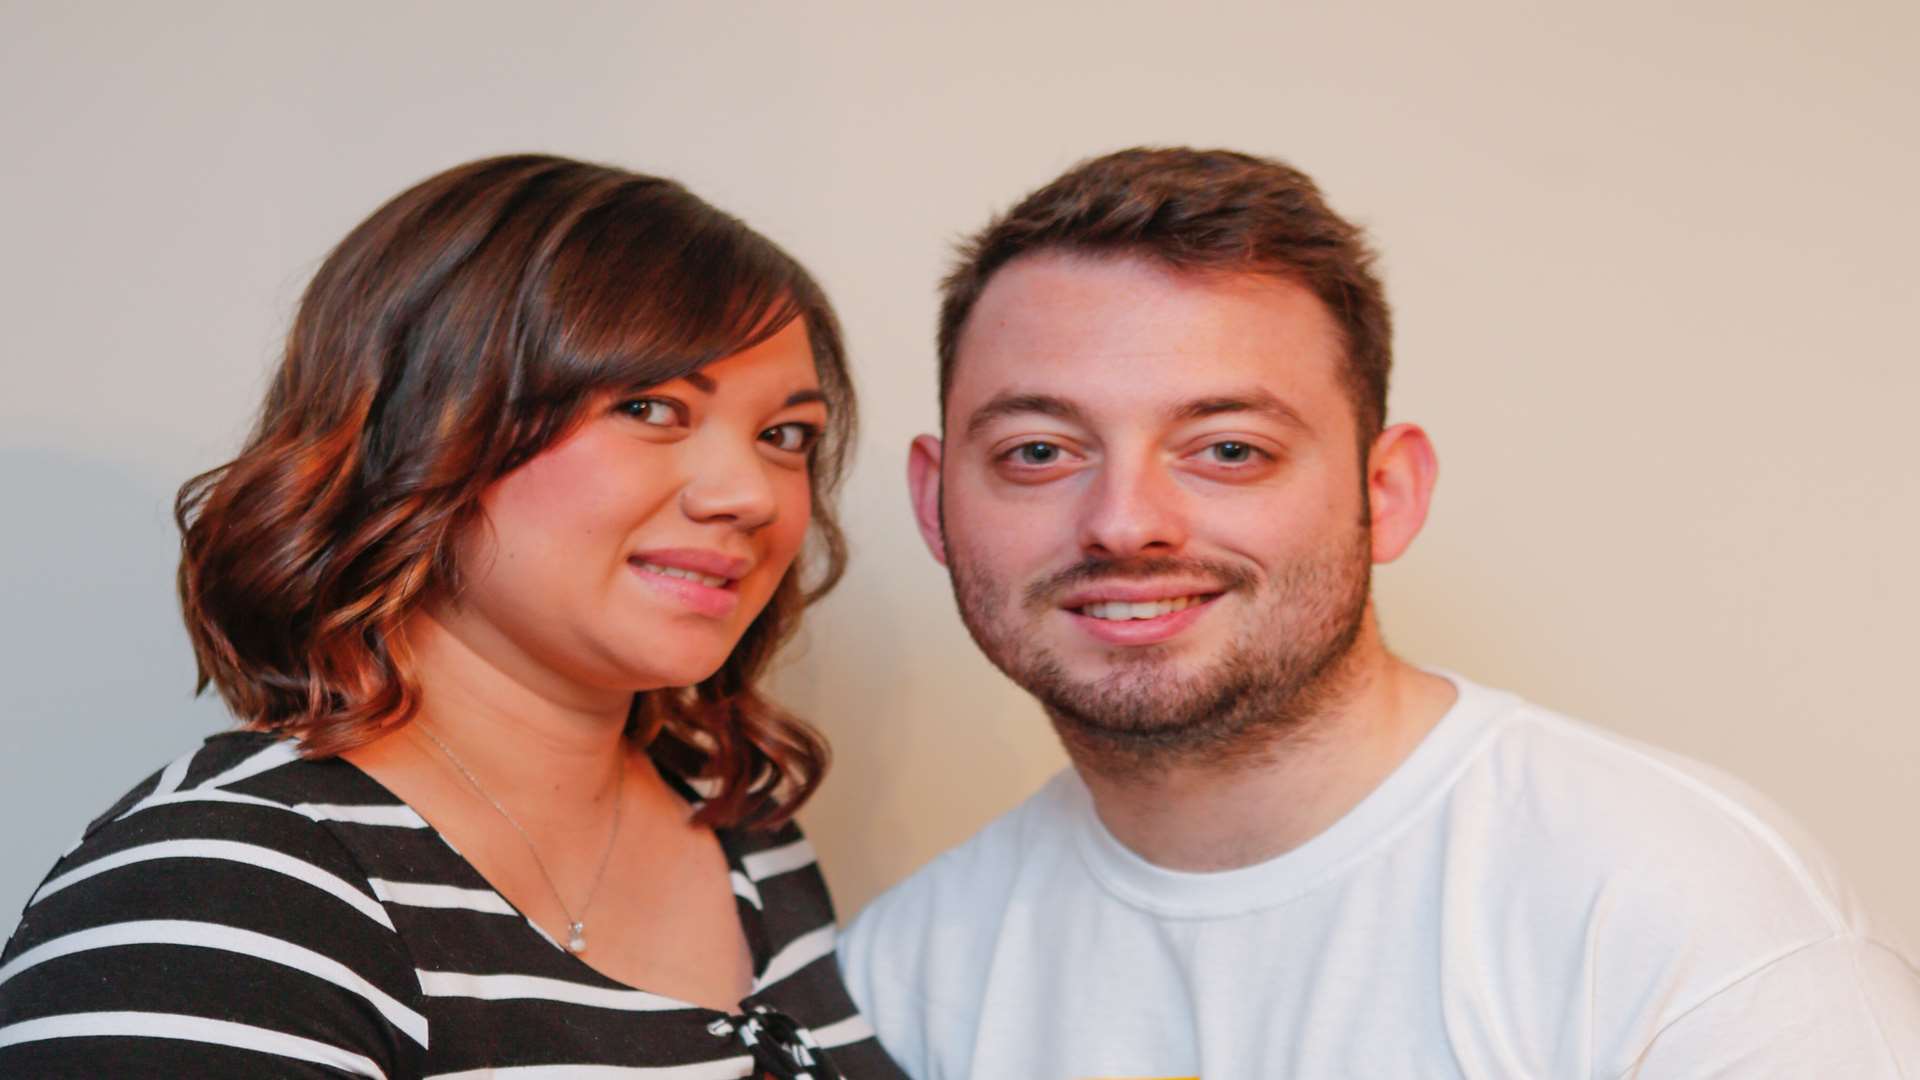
(1036, 453)
(1233, 453)
(793, 437)
(655, 411)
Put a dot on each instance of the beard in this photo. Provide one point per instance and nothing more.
(1282, 666)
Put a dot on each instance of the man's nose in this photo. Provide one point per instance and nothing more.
(1134, 508)
(727, 483)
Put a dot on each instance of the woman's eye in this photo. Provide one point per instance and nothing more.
(1036, 453)
(792, 437)
(653, 411)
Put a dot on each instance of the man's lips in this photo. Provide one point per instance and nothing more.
(1138, 599)
(1134, 623)
(1116, 610)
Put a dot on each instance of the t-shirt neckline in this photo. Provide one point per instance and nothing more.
(1397, 803)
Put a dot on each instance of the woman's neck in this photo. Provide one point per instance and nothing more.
(534, 742)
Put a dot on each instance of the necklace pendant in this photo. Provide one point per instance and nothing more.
(577, 938)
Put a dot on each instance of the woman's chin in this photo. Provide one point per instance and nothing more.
(674, 673)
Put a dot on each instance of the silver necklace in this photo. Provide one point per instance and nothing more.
(576, 924)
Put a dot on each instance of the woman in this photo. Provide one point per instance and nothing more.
(492, 580)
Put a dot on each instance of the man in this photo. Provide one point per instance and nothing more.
(1283, 851)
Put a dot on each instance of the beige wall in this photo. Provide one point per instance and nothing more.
(1655, 274)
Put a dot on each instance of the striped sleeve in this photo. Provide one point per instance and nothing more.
(216, 936)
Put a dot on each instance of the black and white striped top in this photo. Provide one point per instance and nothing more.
(247, 913)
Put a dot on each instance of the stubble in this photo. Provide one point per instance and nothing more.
(1285, 663)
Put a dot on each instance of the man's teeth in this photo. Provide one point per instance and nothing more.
(708, 580)
(1152, 609)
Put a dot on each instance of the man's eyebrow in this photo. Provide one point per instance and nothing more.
(1254, 400)
(1011, 404)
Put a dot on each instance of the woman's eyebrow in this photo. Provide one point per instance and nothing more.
(706, 385)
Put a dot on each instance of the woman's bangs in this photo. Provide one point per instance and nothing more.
(645, 305)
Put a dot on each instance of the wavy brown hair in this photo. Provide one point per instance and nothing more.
(450, 337)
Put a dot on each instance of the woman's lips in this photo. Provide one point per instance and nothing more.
(698, 561)
(689, 587)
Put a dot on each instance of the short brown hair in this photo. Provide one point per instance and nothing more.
(457, 332)
(1200, 210)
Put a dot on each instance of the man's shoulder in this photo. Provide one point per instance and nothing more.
(1669, 873)
(917, 958)
(1665, 887)
(985, 863)
(1582, 797)
(963, 890)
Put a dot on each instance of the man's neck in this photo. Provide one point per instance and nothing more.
(1226, 814)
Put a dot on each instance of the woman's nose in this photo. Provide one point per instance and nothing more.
(727, 483)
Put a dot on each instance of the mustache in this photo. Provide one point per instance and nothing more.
(1041, 593)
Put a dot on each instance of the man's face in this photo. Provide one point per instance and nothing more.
(1151, 498)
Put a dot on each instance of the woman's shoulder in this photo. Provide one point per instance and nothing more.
(210, 896)
(762, 851)
(241, 819)
(250, 768)
(241, 811)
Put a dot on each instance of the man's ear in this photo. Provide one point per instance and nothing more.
(1401, 471)
(923, 486)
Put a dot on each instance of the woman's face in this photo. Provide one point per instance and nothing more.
(633, 553)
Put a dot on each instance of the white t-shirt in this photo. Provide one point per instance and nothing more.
(1525, 896)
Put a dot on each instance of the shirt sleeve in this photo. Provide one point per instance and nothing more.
(856, 970)
(208, 939)
(1845, 1006)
